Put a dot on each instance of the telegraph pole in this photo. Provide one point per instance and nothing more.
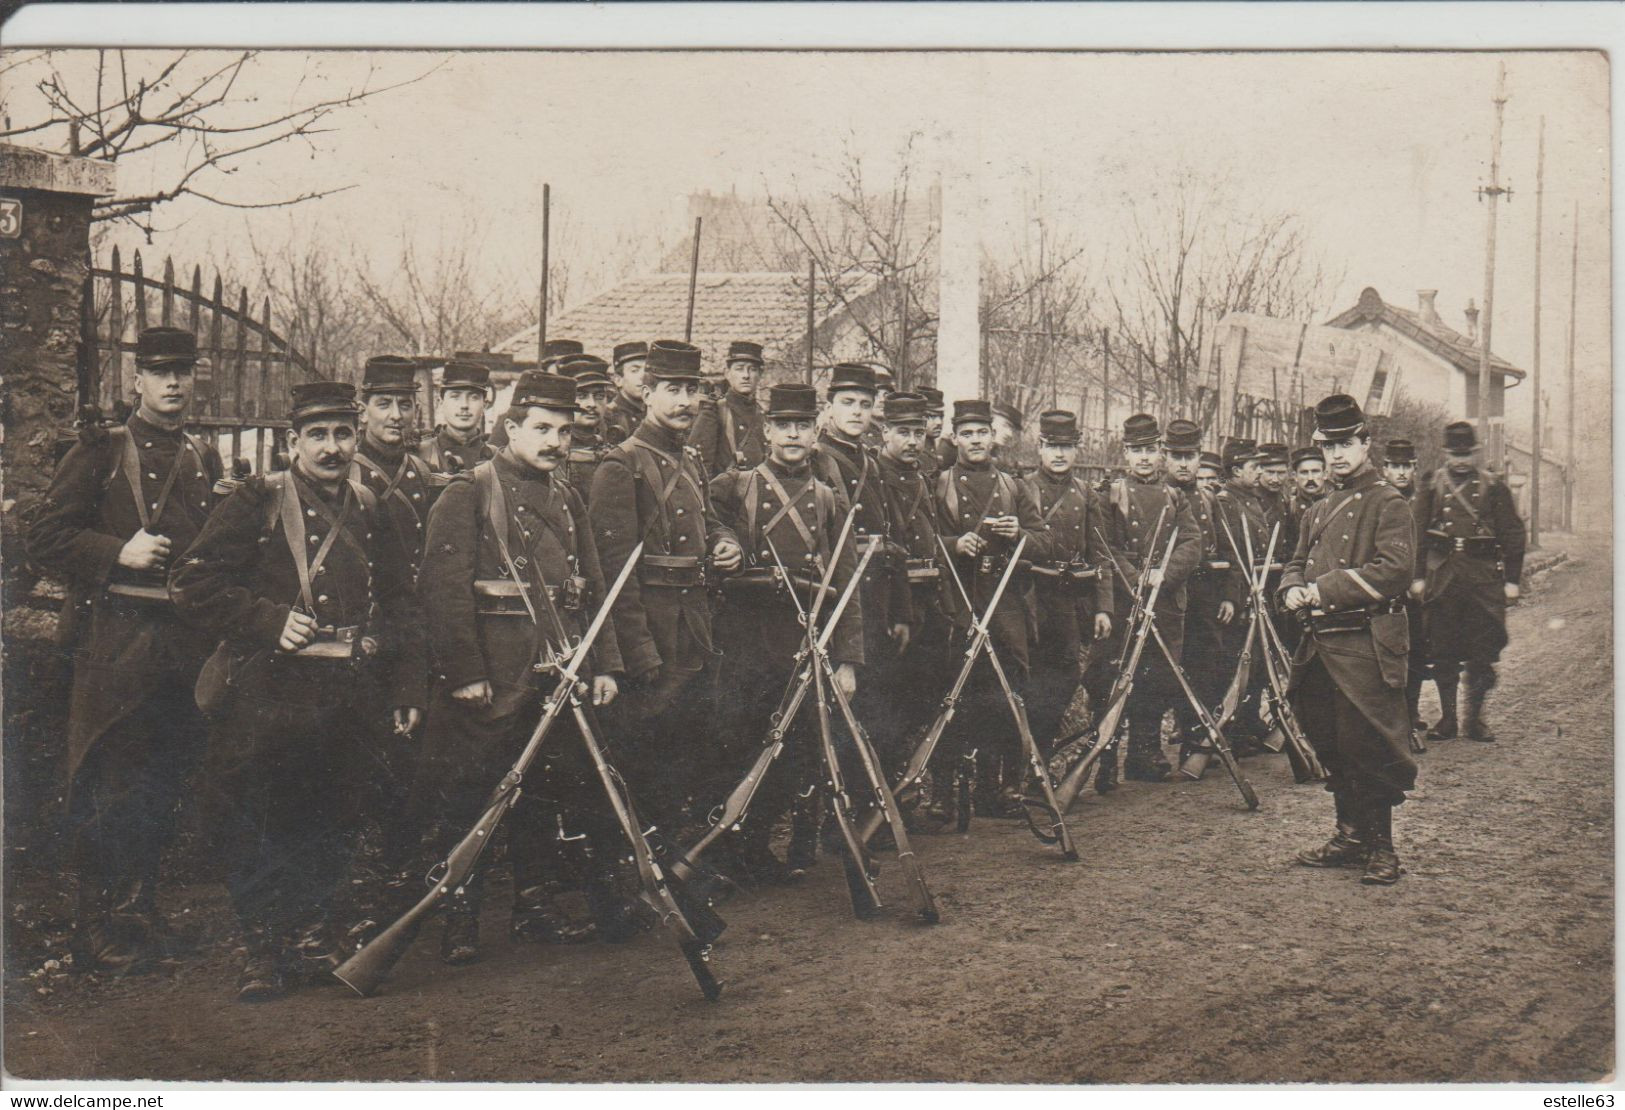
(1534, 434)
(1495, 192)
(1568, 473)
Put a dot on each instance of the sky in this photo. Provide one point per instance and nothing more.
(1378, 155)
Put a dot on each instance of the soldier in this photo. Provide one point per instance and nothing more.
(1073, 588)
(628, 364)
(1347, 579)
(847, 464)
(300, 579)
(1217, 587)
(123, 502)
(458, 441)
(649, 489)
(398, 478)
(1244, 524)
(1308, 481)
(885, 386)
(1209, 471)
(511, 552)
(1007, 439)
(935, 455)
(557, 351)
(982, 512)
(1468, 573)
(780, 506)
(1399, 470)
(912, 676)
(729, 433)
(1144, 513)
(587, 445)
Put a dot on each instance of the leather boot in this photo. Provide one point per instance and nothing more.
(1106, 771)
(460, 936)
(114, 931)
(261, 978)
(806, 815)
(537, 917)
(1145, 761)
(1413, 700)
(313, 951)
(615, 914)
(1346, 848)
(1480, 680)
(1382, 867)
(752, 850)
(1447, 678)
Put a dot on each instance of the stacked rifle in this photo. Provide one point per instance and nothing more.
(1044, 812)
(1263, 638)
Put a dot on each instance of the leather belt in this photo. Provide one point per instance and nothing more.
(1348, 620)
(500, 597)
(757, 580)
(923, 570)
(1479, 547)
(671, 570)
(336, 642)
(134, 591)
(1065, 572)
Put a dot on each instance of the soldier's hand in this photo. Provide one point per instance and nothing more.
(1227, 612)
(846, 679)
(406, 719)
(1005, 527)
(475, 693)
(1418, 587)
(900, 636)
(144, 551)
(1103, 626)
(1154, 579)
(1512, 591)
(298, 631)
(604, 689)
(728, 556)
(1297, 597)
(970, 544)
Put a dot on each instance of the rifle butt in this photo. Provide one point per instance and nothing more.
(696, 954)
(1195, 765)
(1275, 741)
(366, 971)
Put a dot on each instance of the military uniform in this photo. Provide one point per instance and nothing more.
(1218, 579)
(1143, 514)
(649, 488)
(1068, 588)
(1244, 525)
(965, 495)
(1473, 548)
(288, 757)
(502, 536)
(1348, 674)
(447, 452)
(912, 681)
(626, 411)
(729, 435)
(134, 733)
(802, 516)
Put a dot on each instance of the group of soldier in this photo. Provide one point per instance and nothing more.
(355, 640)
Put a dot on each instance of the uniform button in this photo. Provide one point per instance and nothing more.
(420, 526)
(320, 571)
(310, 512)
(151, 475)
(684, 590)
(962, 478)
(766, 555)
(147, 444)
(314, 538)
(155, 506)
(679, 512)
(417, 497)
(767, 504)
(321, 597)
(681, 539)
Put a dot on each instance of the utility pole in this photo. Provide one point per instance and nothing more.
(541, 318)
(1534, 434)
(1574, 275)
(1495, 192)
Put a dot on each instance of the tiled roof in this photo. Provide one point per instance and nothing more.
(1435, 335)
(769, 308)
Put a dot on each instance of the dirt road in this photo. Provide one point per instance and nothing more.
(1185, 947)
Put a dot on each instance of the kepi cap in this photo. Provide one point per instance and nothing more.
(1182, 435)
(972, 412)
(673, 360)
(905, 408)
(544, 390)
(163, 346)
(389, 374)
(309, 400)
(792, 401)
(1140, 430)
(1058, 426)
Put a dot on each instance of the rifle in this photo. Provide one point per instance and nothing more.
(1106, 730)
(365, 971)
(1051, 829)
(1215, 735)
(950, 703)
(1306, 767)
(737, 804)
(885, 803)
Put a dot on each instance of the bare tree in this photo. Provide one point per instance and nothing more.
(1194, 255)
(183, 114)
(445, 298)
(322, 310)
(875, 256)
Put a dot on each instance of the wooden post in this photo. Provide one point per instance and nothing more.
(901, 368)
(167, 305)
(1105, 379)
(239, 364)
(88, 364)
(1494, 192)
(112, 383)
(812, 318)
(693, 278)
(219, 374)
(541, 318)
(1574, 276)
(1535, 420)
(140, 298)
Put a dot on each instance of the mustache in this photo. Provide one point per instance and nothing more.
(329, 460)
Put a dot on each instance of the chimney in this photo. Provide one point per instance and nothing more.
(1472, 319)
(1424, 305)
